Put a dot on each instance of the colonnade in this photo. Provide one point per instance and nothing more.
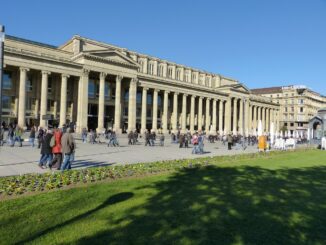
(211, 112)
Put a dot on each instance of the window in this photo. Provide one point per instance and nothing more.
(178, 74)
(49, 85)
(6, 102)
(292, 101)
(149, 99)
(141, 68)
(29, 103)
(151, 68)
(138, 97)
(126, 111)
(193, 77)
(285, 124)
(292, 109)
(91, 89)
(300, 101)
(107, 90)
(160, 70)
(301, 109)
(7, 80)
(291, 124)
(170, 72)
(292, 94)
(126, 97)
(29, 85)
(50, 104)
(285, 109)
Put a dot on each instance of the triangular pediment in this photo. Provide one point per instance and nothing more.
(113, 55)
(239, 87)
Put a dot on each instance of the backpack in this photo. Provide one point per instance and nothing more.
(52, 141)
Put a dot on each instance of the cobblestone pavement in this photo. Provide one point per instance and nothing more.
(20, 160)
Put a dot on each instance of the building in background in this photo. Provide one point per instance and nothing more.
(298, 105)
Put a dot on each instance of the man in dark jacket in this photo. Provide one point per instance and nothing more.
(46, 150)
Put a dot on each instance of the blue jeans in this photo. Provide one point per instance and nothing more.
(84, 138)
(67, 159)
(45, 158)
(31, 141)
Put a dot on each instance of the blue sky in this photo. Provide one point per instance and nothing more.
(259, 43)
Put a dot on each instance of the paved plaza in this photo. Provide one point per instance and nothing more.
(20, 160)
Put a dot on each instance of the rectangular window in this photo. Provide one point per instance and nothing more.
(49, 85)
(301, 109)
(7, 80)
(126, 111)
(29, 103)
(107, 90)
(6, 102)
(29, 85)
(138, 97)
(91, 89)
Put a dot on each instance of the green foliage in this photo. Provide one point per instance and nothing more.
(17, 185)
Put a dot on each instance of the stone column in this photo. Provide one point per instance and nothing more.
(269, 119)
(184, 114)
(101, 103)
(22, 97)
(155, 100)
(82, 113)
(37, 108)
(44, 97)
(175, 113)
(207, 115)
(144, 110)
(220, 117)
(200, 114)
(247, 118)
(255, 119)
(235, 113)
(192, 114)
(263, 119)
(71, 112)
(228, 106)
(63, 99)
(165, 112)
(259, 116)
(117, 109)
(213, 129)
(132, 105)
(241, 119)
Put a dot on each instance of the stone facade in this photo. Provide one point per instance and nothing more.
(298, 104)
(98, 85)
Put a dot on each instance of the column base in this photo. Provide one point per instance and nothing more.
(117, 130)
(100, 130)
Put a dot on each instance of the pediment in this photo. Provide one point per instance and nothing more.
(113, 56)
(239, 87)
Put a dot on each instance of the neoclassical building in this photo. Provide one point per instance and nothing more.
(97, 85)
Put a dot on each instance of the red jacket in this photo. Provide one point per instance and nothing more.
(57, 147)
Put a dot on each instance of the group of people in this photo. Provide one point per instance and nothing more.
(150, 138)
(57, 148)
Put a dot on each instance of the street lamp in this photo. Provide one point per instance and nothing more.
(2, 44)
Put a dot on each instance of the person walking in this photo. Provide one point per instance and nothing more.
(46, 150)
(32, 136)
(130, 138)
(230, 141)
(56, 150)
(2, 132)
(18, 136)
(162, 139)
(194, 141)
(40, 137)
(68, 149)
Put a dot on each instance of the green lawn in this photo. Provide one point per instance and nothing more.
(274, 200)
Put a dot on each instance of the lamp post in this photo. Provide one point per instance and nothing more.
(2, 44)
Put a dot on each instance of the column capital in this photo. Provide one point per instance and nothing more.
(118, 78)
(45, 72)
(23, 69)
(134, 80)
(193, 96)
(63, 75)
(156, 90)
(145, 88)
(208, 99)
(85, 72)
(166, 91)
(176, 93)
(185, 95)
(103, 75)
